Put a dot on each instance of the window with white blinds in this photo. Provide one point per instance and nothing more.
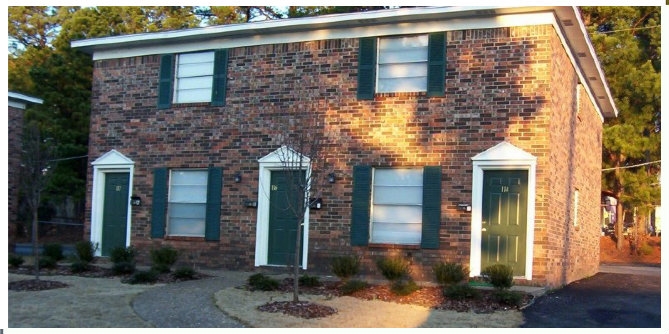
(194, 77)
(187, 203)
(402, 64)
(397, 199)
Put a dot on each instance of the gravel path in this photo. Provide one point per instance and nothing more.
(187, 304)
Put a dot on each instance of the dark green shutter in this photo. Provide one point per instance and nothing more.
(212, 227)
(220, 77)
(159, 205)
(165, 83)
(436, 64)
(431, 207)
(362, 191)
(366, 68)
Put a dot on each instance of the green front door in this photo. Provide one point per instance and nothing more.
(284, 215)
(504, 225)
(115, 214)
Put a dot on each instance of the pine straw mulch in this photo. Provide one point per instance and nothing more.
(64, 270)
(428, 296)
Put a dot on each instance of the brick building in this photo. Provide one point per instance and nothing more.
(454, 134)
(17, 103)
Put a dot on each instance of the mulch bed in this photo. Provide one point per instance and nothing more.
(429, 296)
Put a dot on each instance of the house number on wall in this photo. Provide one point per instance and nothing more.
(505, 189)
(275, 187)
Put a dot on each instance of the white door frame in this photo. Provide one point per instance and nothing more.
(503, 156)
(110, 162)
(276, 161)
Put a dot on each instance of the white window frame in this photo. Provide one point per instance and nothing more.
(409, 203)
(397, 67)
(193, 77)
(191, 201)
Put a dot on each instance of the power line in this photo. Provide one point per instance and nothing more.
(69, 158)
(631, 166)
(628, 29)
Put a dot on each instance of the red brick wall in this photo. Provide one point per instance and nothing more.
(498, 87)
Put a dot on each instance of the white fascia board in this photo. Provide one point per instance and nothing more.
(23, 99)
(325, 34)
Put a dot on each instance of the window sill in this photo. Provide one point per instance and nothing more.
(401, 94)
(392, 246)
(180, 238)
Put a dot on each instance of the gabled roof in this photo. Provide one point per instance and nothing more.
(21, 101)
(566, 19)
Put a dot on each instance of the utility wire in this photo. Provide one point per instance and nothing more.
(69, 158)
(631, 166)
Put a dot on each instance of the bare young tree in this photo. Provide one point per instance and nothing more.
(302, 155)
(36, 155)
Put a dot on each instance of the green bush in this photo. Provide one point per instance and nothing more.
(184, 273)
(262, 282)
(85, 251)
(461, 292)
(47, 262)
(79, 266)
(508, 297)
(346, 266)
(143, 277)
(163, 259)
(122, 268)
(15, 260)
(393, 268)
(352, 286)
(54, 251)
(306, 280)
(404, 287)
(122, 255)
(499, 275)
(450, 273)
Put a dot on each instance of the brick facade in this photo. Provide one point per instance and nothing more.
(515, 84)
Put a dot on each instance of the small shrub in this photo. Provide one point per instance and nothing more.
(306, 280)
(54, 251)
(645, 249)
(450, 273)
(163, 259)
(346, 266)
(404, 287)
(47, 262)
(143, 277)
(184, 273)
(499, 275)
(393, 268)
(262, 282)
(79, 266)
(15, 260)
(461, 292)
(352, 286)
(122, 268)
(85, 251)
(508, 297)
(122, 255)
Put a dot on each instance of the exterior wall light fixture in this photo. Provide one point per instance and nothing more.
(238, 177)
(331, 178)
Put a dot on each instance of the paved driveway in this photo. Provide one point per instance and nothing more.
(618, 296)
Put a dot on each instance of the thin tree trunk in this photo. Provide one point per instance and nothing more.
(35, 236)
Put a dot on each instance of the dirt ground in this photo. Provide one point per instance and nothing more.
(610, 254)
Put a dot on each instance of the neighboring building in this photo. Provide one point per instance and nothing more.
(16, 105)
(468, 135)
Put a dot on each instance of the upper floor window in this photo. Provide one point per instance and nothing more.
(402, 64)
(194, 77)
(399, 64)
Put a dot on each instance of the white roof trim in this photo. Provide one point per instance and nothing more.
(284, 155)
(504, 151)
(24, 98)
(112, 157)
